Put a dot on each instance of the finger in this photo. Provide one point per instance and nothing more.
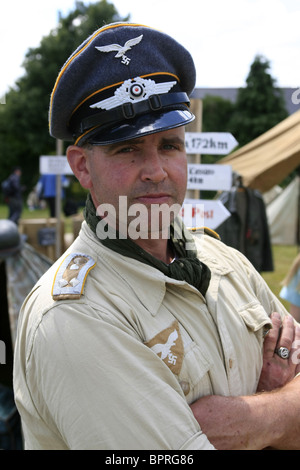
(287, 333)
(295, 350)
(271, 339)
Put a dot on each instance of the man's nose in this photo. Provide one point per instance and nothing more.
(153, 167)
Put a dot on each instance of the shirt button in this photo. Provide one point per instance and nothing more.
(185, 387)
(230, 363)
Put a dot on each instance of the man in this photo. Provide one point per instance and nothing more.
(136, 339)
(14, 197)
(46, 189)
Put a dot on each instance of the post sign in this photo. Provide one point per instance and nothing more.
(209, 177)
(210, 143)
(203, 213)
(54, 165)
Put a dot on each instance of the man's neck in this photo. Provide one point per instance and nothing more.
(160, 249)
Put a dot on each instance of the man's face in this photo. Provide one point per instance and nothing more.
(147, 171)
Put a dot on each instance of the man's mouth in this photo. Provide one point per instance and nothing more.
(155, 198)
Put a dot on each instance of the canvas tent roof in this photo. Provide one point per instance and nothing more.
(269, 158)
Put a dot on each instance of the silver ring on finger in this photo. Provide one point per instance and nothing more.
(284, 353)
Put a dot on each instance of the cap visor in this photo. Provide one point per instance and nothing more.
(141, 125)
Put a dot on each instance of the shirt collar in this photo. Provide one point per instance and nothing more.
(147, 283)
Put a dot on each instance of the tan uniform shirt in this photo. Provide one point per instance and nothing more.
(117, 367)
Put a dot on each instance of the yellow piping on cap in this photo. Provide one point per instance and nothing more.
(82, 135)
(94, 93)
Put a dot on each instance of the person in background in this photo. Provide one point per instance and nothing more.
(291, 288)
(14, 196)
(46, 190)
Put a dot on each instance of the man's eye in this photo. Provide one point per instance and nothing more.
(169, 146)
(124, 150)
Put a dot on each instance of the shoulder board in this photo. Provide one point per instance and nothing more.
(71, 275)
(206, 230)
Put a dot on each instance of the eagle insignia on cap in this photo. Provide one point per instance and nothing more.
(121, 50)
(134, 90)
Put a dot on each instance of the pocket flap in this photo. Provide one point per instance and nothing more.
(255, 317)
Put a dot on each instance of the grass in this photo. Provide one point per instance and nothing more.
(37, 214)
(283, 255)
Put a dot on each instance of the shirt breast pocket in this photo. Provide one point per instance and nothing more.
(188, 361)
(194, 376)
(249, 348)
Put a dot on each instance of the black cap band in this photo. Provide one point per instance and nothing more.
(129, 111)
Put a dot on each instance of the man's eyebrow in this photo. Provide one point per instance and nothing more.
(173, 140)
(111, 147)
(164, 140)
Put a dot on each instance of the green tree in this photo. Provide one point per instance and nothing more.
(259, 106)
(24, 118)
(217, 113)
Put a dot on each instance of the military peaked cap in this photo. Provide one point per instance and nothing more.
(124, 81)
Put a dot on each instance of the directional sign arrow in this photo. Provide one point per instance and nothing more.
(203, 213)
(212, 143)
(55, 165)
(209, 177)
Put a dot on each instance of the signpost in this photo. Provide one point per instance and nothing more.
(209, 177)
(214, 177)
(56, 165)
(203, 213)
(210, 143)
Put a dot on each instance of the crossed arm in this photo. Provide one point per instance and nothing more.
(271, 417)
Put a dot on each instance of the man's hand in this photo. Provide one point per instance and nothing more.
(276, 372)
(262, 420)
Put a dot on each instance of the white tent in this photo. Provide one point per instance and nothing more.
(283, 215)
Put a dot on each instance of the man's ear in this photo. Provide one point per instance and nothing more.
(77, 158)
